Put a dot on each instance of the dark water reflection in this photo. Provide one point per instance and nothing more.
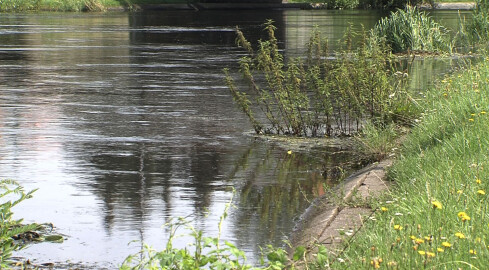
(123, 121)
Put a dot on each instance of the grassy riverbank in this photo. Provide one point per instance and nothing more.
(436, 216)
(104, 5)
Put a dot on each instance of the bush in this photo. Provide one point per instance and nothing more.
(18, 5)
(318, 96)
(412, 30)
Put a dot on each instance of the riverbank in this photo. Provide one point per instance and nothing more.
(284, 5)
(124, 5)
(435, 215)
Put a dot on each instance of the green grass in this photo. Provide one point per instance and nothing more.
(441, 187)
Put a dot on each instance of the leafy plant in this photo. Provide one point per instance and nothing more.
(214, 253)
(11, 193)
(317, 96)
(18, 5)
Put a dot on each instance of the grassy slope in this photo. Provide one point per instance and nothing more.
(443, 163)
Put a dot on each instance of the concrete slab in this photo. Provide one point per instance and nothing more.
(328, 221)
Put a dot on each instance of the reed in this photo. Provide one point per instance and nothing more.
(475, 32)
(412, 30)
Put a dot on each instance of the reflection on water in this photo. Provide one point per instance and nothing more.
(123, 121)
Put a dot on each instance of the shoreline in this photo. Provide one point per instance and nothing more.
(272, 6)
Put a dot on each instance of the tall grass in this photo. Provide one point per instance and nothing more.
(475, 32)
(437, 215)
(317, 96)
(412, 30)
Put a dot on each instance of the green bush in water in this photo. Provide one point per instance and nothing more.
(412, 30)
(318, 96)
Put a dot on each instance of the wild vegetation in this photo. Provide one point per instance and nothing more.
(412, 30)
(475, 32)
(55, 5)
(214, 253)
(436, 216)
(317, 96)
(11, 194)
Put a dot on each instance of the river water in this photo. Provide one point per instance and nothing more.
(122, 121)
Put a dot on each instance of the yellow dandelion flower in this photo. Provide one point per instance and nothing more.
(463, 216)
(483, 112)
(384, 209)
(440, 250)
(289, 152)
(397, 227)
(471, 119)
(481, 192)
(460, 235)
(446, 244)
(472, 114)
(430, 254)
(419, 241)
(427, 238)
(436, 204)
(478, 181)
(473, 252)
(414, 237)
(421, 252)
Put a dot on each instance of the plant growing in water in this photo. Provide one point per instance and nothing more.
(317, 96)
(412, 30)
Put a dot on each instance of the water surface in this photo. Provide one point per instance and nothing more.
(122, 121)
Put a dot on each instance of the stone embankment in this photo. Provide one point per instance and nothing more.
(336, 216)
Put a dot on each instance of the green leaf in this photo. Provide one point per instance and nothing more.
(54, 238)
(299, 253)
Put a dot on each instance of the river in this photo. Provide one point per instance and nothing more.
(122, 121)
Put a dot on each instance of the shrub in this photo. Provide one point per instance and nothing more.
(317, 96)
(18, 5)
(412, 30)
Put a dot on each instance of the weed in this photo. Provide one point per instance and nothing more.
(318, 96)
(11, 193)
